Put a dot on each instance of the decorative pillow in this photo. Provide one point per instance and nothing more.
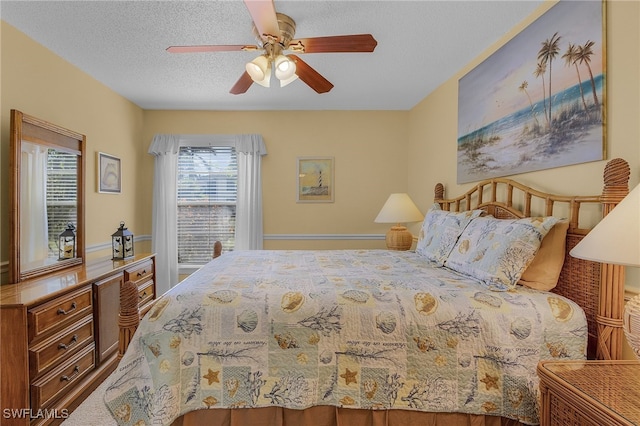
(497, 251)
(440, 231)
(544, 270)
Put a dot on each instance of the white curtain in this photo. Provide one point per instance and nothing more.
(249, 232)
(164, 232)
(34, 235)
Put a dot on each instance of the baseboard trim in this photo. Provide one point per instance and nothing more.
(274, 237)
(4, 266)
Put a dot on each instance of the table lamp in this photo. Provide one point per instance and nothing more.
(399, 209)
(616, 240)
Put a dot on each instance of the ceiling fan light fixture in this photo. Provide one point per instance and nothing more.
(258, 68)
(266, 81)
(275, 33)
(284, 82)
(285, 67)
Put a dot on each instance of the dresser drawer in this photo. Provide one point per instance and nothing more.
(139, 273)
(59, 312)
(54, 384)
(64, 344)
(146, 293)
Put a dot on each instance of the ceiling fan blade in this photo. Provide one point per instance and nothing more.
(310, 76)
(211, 48)
(242, 85)
(263, 13)
(331, 44)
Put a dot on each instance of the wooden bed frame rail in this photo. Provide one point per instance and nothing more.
(597, 288)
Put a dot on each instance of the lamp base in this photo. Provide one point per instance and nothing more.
(399, 238)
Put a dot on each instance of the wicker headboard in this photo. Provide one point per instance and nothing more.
(597, 288)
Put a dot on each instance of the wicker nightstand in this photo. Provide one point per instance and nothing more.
(590, 393)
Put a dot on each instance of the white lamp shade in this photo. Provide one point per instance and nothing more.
(616, 238)
(399, 208)
(288, 80)
(266, 81)
(285, 67)
(257, 68)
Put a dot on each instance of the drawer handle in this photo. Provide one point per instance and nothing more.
(140, 274)
(76, 371)
(73, 341)
(143, 295)
(63, 312)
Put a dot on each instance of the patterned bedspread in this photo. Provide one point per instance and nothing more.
(354, 328)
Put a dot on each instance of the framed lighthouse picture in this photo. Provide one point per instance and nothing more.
(315, 180)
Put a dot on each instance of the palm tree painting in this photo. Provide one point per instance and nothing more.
(538, 101)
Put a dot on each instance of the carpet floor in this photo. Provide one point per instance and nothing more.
(92, 411)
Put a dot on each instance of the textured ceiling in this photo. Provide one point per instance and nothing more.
(122, 44)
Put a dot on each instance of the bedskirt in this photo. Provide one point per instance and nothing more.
(334, 416)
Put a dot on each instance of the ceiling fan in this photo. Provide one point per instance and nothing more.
(275, 31)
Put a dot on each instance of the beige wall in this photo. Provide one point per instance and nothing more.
(376, 153)
(39, 83)
(433, 122)
(431, 153)
(433, 135)
(369, 149)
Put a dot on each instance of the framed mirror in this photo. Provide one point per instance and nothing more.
(46, 196)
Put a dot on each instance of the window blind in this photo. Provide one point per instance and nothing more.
(207, 195)
(62, 195)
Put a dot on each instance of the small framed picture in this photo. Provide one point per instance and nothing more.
(315, 180)
(109, 174)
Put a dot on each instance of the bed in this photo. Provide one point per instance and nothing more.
(449, 333)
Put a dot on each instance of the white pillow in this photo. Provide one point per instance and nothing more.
(440, 231)
(497, 251)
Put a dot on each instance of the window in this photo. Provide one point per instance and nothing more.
(62, 195)
(207, 194)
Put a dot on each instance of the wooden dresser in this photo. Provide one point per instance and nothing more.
(59, 336)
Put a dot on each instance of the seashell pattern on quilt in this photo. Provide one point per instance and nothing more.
(371, 329)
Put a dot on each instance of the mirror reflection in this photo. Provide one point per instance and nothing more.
(48, 203)
(47, 197)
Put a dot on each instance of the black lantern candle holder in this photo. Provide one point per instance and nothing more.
(67, 243)
(122, 243)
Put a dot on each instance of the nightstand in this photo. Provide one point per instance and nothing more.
(589, 393)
